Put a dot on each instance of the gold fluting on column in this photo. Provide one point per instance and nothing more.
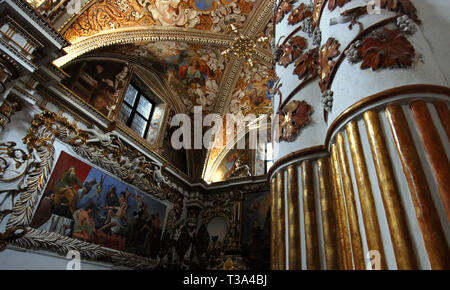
(434, 149)
(444, 115)
(309, 210)
(295, 262)
(344, 240)
(281, 222)
(357, 246)
(372, 227)
(273, 225)
(395, 212)
(433, 234)
(329, 219)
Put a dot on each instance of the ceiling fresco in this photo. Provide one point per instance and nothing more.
(184, 46)
(194, 72)
(211, 15)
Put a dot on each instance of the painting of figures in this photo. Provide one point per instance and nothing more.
(256, 230)
(87, 204)
(194, 72)
(98, 83)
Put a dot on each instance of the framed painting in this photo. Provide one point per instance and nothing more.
(72, 192)
(85, 203)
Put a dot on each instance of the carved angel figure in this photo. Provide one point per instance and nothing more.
(159, 177)
(105, 139)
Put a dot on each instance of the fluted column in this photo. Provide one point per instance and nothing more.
(329, 214)
(281, 222)
(294, 218)
(309, 209)
(273, 225)
(434, 149)
(395, 211)
(434, 236)
(357, 247)
(363, 181)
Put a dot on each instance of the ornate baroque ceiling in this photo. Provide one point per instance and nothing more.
(171, 35)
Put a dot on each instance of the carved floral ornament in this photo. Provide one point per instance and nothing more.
(294, 116)
(377, 47)
(38, 163)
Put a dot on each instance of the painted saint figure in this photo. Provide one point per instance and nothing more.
(65, 187)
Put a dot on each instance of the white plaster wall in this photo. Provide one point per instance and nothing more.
(13, 258)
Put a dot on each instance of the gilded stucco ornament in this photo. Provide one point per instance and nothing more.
(328, 52)
(294, 116)
(387, 49)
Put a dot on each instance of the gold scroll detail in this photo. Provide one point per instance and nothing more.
(372, 227)
(357, 246)
(395, 211)
(329, 218)
(281, 226)
(344, 240)
(273, 227)
(309, 210)
(426, 212)
(294, 218)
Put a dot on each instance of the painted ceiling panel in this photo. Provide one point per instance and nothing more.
(194, 72)
(212, 15)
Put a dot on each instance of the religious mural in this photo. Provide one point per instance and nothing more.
(256, 230)
(253, 92)
(85, 203)
(193, 71)
(98, 83)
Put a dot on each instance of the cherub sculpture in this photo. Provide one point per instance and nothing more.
(105, 139)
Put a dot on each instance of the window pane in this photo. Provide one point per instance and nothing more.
(130, 96)
(124, 113)
(138, 125)
(144, 107)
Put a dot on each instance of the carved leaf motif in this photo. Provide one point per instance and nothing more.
(354, 14)
(295, 116)
(306, 65)
(389, 50)
(292, 50)
(401, 6)
(333, 3)
(299, 14)
(283, 8)
(329, 51)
